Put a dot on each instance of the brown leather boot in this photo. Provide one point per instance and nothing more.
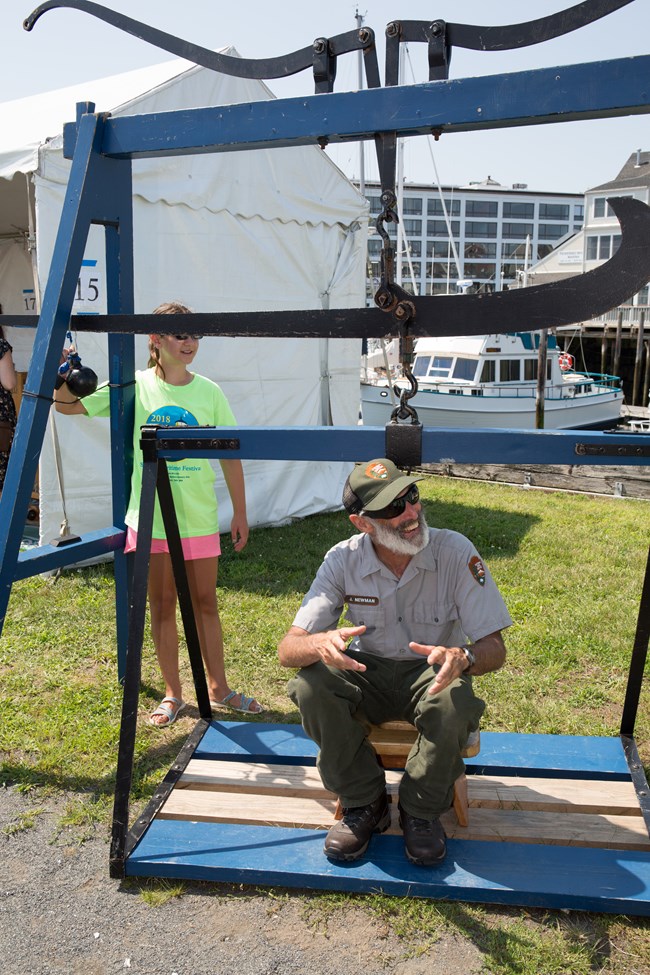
(424, 839)
(348, 839)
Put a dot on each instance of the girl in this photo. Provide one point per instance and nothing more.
(8, 381)
(168, 394)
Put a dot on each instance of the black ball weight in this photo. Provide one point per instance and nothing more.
(82, 382)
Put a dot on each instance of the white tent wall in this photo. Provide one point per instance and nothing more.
(276, 229)
(17, 296)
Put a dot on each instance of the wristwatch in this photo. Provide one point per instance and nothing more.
(471, 659)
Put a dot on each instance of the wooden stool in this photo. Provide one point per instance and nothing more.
(393, 740)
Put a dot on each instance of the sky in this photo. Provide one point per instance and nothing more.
(69, 46)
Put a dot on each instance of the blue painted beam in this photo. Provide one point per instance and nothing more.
(599, 89)
(46, 558)
(558, 756)
(445, 445)
(527, 875)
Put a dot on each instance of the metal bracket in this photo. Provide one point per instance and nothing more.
(611, 450)
(199, 443)
(404, 444)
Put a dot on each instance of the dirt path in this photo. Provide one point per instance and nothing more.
(61, 914)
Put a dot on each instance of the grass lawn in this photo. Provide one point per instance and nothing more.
(570, 568)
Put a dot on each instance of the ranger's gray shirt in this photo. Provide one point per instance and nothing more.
(445, 597)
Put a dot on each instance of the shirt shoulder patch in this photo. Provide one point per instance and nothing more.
(477, 569)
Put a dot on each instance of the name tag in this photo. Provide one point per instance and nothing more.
(362, 600)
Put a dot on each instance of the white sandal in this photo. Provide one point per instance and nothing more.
(166, 712)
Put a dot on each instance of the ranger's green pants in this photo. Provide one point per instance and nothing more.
(336, 706)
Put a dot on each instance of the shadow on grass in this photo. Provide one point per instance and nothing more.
(285, 559)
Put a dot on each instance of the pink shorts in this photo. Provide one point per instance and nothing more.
(200, 547)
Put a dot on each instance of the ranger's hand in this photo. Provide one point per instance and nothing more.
(331, 645)
(451, 660)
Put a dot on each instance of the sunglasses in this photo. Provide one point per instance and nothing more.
(183, 338)
(396, 507)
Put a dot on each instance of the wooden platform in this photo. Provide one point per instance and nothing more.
(554, 821)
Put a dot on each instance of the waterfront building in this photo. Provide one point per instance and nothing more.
(479, 237)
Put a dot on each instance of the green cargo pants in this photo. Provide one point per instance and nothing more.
(336, 705)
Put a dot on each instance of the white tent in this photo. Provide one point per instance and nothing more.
(243, 231)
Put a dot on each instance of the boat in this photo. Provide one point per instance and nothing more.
(491, 381)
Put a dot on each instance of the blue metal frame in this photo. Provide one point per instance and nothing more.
(565, 94)
(100, 192)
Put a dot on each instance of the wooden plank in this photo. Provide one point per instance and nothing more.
(260, 777)
(553, 795)
(554, 829)
(485, 791)
(199, 805)
(611, 881)
(494, 825)
(562, 755)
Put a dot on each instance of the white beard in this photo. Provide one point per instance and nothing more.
(394, 541)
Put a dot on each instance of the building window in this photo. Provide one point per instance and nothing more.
(477, 250)
(543, 250)
(435, 208)
(483, 270)
(602, 207)
(437, 288)
(374, 247)
(603, 247)
(481, 208)
(415, 248)
(480, 228)
(412, 204)
(509, 371)
(438, 228)
(440, 269)
(553, 211)
(579, 211)
(413, 227)
(406, 270)
(552, 231)
(518, 211)
(516, 231)
(439, 248)
(375, 204)
(517, 251)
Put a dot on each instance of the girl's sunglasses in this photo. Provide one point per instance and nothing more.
(396, 507)
(183, 338)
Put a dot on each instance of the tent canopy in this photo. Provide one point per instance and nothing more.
(270, 229)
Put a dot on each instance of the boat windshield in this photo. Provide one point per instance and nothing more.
(432, 367)
(465, 369)
(440, 367)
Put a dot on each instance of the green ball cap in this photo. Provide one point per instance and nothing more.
(375, 484)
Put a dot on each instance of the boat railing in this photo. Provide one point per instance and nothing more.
(601, 379)
(586, 383)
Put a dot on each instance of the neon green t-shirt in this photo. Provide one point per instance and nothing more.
(201, 402)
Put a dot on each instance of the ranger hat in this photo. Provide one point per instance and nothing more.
(374, 484)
